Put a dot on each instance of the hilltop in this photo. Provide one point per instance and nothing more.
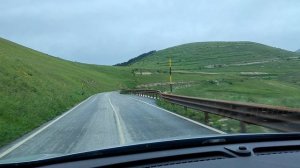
(35, 87)
(136, 59)
(298, 51)
(214, 55)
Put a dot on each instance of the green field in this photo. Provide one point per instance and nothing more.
(35, 87)
(239, 71)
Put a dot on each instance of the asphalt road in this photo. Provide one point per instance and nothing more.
(102, 121)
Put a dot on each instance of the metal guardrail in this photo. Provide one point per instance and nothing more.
(274, 117)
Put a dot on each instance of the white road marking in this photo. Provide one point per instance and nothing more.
(205, 126)
(121, 133)
(39, 131)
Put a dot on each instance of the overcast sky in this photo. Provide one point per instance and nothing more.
(110, 31)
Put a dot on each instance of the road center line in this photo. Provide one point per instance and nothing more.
(39, 131)
(121, 133)
(195, 122)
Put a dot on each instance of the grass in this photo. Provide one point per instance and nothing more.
(238, 71)
(271, 90)
(35, 87)
(198, 56)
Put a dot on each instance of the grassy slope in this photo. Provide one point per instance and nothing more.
(35, 87)
(195, 56)
(280, 85)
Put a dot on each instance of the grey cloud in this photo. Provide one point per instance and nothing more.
(111, 31)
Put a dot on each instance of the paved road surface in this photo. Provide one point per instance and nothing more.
(105, 120)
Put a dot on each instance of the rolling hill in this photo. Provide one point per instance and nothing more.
(36, 87)
(238, 71)
(212, 55)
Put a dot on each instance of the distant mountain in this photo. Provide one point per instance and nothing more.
(211, 55)
(298, 51)
(136, 59)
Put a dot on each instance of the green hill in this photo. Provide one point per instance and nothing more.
(35, 87)
(212, 55)
(239, 71)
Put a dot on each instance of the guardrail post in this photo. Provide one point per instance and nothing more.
(243, 128)
(206, 118)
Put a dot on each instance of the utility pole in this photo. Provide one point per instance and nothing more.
(170, 66)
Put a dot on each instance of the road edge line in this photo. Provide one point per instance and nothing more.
(9, 150)
(121, 133)
(195, 122)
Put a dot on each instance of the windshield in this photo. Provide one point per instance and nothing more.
(89, 75)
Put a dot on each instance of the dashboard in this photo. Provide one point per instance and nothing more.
(265, 155)
(259, 151)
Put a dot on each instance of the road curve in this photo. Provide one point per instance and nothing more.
(102, 121)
